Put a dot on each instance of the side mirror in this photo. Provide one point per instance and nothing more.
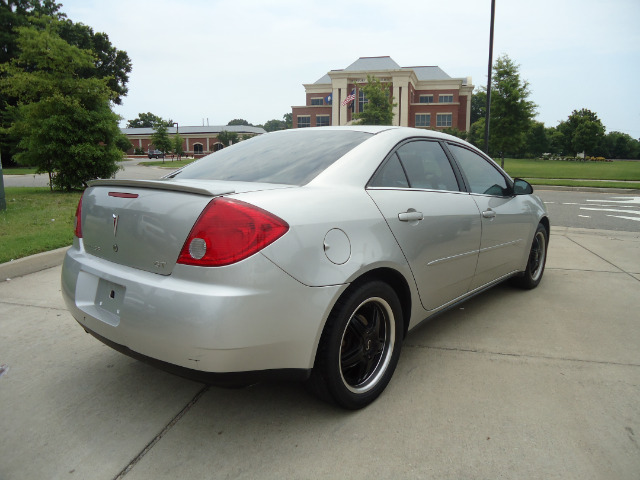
(522, 187)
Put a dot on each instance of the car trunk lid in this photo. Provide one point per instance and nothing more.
(143, 224)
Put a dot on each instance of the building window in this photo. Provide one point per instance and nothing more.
(423, 120)
(317, 101)
(444, 120)
(304, 121)
(322, 121)
(197, 148)
(445, 98)
(361, 100)
(426, 98)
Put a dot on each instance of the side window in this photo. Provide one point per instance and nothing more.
(390, 175)
(483, 177)
(427, 166)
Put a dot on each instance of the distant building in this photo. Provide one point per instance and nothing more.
(198, 141)
(426, 96)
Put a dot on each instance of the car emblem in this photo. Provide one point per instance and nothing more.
(115, 224)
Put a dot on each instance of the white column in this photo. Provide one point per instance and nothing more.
(396, 108)
(403, 101)
(340, 92)
(335, 106)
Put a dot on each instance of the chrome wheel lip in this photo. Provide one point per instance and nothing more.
(377, 372)
(538, 255)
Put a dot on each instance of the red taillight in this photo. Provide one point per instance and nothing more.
(78, 221)
(228, 231)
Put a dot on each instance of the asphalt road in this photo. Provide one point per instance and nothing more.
(131, 170)
(594, 210)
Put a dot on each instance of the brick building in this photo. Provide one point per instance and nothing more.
(426, 97)
(198, 141)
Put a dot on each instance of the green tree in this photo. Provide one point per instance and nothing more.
(160, 139)
(123, 143)
(537, 141)
(239, 121)
(62, 123)
(148, 120)
(476, 133)
(478, 104)
(582, 132)
(14, 14)
(177, 142)
(556, 140)
(456, 132)
(17, 13)
(273, 125)
(511, 111)
(621, 145)
(109, 63)
(378, 110)
(228, 138)
(288, 120)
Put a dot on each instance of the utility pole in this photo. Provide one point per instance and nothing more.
(488, 113)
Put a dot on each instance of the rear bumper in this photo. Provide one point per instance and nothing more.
(248, 317)
(231, 379)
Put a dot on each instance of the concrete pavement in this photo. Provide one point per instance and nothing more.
(540, 384)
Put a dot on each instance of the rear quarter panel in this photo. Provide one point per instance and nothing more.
(311, 213)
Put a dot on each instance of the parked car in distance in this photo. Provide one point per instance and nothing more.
(155, 154)
(304, 254)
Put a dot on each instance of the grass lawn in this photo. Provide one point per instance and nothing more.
(530, 169)
(36, 220)
(168, 163)
(19, 171)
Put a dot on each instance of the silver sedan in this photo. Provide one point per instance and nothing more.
(305, 254)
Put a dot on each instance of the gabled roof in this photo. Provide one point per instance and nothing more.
(429, 73)
(373, 63)
(364, 64)
(186, 130)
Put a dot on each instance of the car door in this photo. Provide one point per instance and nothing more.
(506, 219)
(436, 225)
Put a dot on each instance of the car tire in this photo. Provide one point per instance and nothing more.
(537, 259)
(360, 346)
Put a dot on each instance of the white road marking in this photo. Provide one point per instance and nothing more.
(611, 210)
(584, 216)
(637, 219)
(631, 200)
(621, 205)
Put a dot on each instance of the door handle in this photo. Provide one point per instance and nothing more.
(410, 216)
(489, 214)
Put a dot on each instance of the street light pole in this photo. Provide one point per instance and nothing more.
(177, 135)
(488, 111)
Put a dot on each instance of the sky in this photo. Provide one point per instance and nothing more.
(202, 62)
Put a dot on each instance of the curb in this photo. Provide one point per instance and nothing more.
(32, 264)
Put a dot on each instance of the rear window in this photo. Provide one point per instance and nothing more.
(291, 158)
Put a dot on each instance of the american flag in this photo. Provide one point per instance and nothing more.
(350, 98)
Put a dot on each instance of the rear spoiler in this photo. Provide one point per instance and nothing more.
(173, 185)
